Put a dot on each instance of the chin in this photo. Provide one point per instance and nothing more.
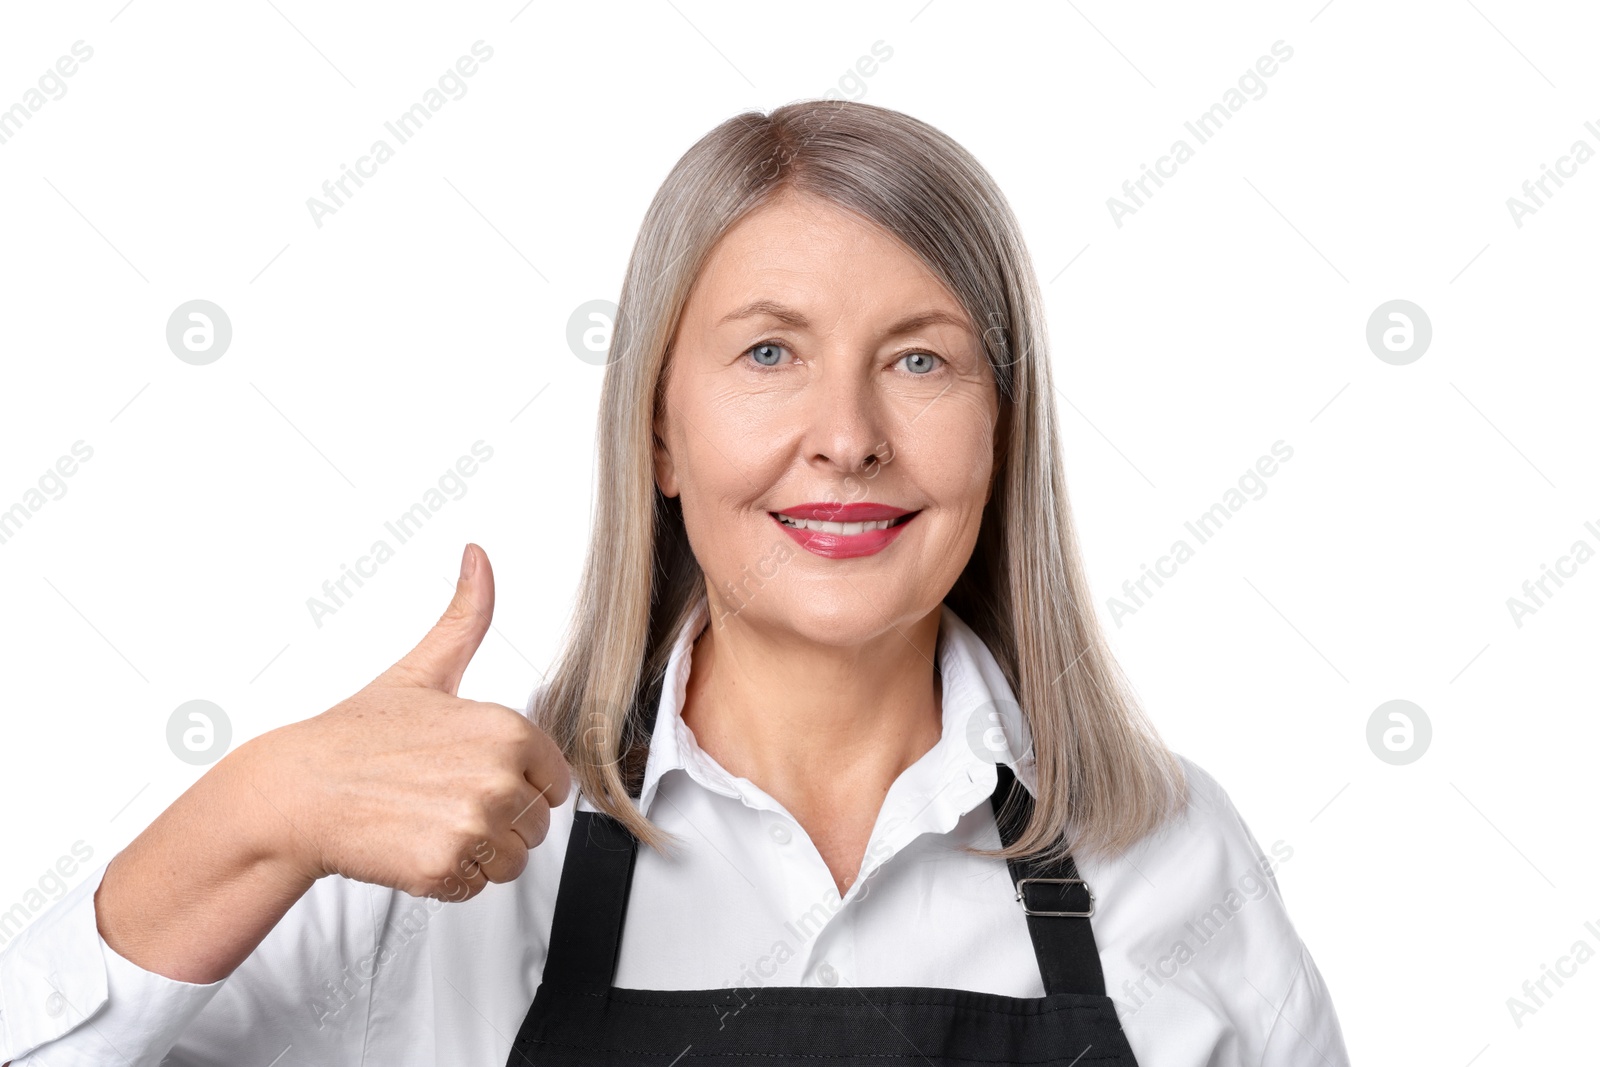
(830, 611)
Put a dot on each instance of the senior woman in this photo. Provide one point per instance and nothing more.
(833, 662)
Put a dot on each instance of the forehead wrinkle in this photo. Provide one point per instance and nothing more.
(797, 319)
(820, 235)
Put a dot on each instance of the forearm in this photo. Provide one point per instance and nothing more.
(193, 895)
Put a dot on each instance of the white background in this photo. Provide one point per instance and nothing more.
(1228, 313)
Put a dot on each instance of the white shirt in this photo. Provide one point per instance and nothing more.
(1197, 948)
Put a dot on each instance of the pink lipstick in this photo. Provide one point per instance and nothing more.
(843, 531)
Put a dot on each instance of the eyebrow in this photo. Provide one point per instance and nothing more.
(790, 317)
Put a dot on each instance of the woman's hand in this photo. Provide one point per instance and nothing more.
(404, 785)
(409, 786)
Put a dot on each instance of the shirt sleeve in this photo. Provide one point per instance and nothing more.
(1306, 1031)
(1302, 1027)
(61, 985)
(67, 998)
(1206, 965)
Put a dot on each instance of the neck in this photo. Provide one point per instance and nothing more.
(823, 729)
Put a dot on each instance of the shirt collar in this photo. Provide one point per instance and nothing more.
(982, 726)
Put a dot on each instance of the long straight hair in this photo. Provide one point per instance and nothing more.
(1104, 779)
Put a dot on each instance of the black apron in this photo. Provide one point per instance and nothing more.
(579, 1017)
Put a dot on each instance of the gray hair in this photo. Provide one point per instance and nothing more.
(1104, 778)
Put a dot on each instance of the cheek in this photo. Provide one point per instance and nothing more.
(725, 450)
(953, 452)
(723, 454)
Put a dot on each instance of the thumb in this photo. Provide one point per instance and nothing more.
(440, 659)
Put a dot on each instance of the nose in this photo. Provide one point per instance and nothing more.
(847, 421)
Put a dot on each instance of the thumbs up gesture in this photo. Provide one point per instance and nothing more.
(407, 785)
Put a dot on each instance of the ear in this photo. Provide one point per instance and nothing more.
(666, 472)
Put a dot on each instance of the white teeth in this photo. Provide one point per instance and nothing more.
(846, 529)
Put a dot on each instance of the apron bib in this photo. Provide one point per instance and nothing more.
(579, 1018)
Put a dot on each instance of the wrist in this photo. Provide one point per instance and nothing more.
(254, 781)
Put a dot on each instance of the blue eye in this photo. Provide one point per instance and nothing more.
(767, 354)
(919, 362)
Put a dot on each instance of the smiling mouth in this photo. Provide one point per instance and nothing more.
(840, 529)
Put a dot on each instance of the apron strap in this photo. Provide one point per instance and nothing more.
(1069, 960)
(592, 903)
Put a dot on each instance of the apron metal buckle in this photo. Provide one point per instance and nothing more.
(1022, 884)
